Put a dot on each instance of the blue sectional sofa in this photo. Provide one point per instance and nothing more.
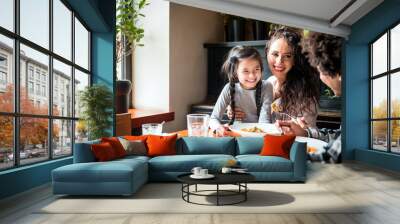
(125, 176)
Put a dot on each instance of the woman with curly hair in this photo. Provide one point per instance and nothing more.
(296, 88)
(324, 53)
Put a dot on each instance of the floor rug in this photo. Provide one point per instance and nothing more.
(167, 198)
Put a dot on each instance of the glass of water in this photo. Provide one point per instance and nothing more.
(198, 124)
(152, 128)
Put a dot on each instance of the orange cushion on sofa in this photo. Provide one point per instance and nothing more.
(103, 151)
(277, 145)
(116, 145)
(161, 145)
(136, 137)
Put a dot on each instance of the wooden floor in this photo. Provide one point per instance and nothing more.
(378, 189)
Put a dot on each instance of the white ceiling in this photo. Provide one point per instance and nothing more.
(316, 15)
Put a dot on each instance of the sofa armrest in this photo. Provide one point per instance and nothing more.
(83, 153)
(298, 155)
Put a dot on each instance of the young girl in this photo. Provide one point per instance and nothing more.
(246, 90)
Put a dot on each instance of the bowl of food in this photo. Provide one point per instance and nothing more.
(255, 129)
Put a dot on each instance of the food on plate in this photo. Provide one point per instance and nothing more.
(253, 129)
(311, 149)
(275, 107)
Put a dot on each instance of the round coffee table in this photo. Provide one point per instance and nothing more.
(238, 179)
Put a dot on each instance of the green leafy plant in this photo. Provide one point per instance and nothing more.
(128, 16)
(96, 102)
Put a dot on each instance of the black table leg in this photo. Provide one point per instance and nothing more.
(217, 194)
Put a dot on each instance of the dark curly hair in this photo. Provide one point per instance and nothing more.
(301, 88)
(323, 51)
(229, 68)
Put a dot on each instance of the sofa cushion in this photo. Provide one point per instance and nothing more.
(249, 145)
(257, 163)
(185, 163)
(277, 145)
(161, 145)
(103, 152)
(112, 171)
(116, 145)
(136, 137)
(135, 147)
(206, 145)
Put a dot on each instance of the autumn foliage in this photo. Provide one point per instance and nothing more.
(33, 131)
(380, 127)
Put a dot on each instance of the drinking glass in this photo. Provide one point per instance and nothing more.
(152, 128)
(197, 124)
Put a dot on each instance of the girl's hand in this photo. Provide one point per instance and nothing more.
(222, 130)
(239, 114)
(292, 128)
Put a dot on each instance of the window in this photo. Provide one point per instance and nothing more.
(7, 14)
(46, 131)
(6, 71)
(3, 71)
(385, 96)
(30, 87)
(30, 72)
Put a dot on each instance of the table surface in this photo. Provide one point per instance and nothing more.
(220, 178)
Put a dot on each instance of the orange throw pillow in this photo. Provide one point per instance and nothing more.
(277, 145)
(161, 145)
(103, 152)
(135, 138)
(116, 145)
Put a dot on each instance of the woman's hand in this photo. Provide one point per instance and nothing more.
(292, 128)
(239, 114)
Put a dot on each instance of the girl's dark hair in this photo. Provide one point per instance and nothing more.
(229, 68)
(301, 88)
(323, 51)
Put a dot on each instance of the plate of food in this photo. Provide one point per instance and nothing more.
(314, 146)
(255, 129)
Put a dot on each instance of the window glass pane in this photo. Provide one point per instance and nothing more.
(395, 47)
(379, 98)
(34, 97)
(81, 45)
(6, 74)
(81, 81)
(62, 89)
(62, 141)
(7, 14)
(6, 142)
(395, 95)
(33, 139)
(62, 29)
(379, 55)
(81, 131)
(395, 136)
(35, 21)
(379, 135)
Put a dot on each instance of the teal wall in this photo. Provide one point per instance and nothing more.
(356, 85)
(99, 16)
(103, 63)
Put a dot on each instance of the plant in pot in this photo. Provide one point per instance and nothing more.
(96, 104)
(129, 35)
